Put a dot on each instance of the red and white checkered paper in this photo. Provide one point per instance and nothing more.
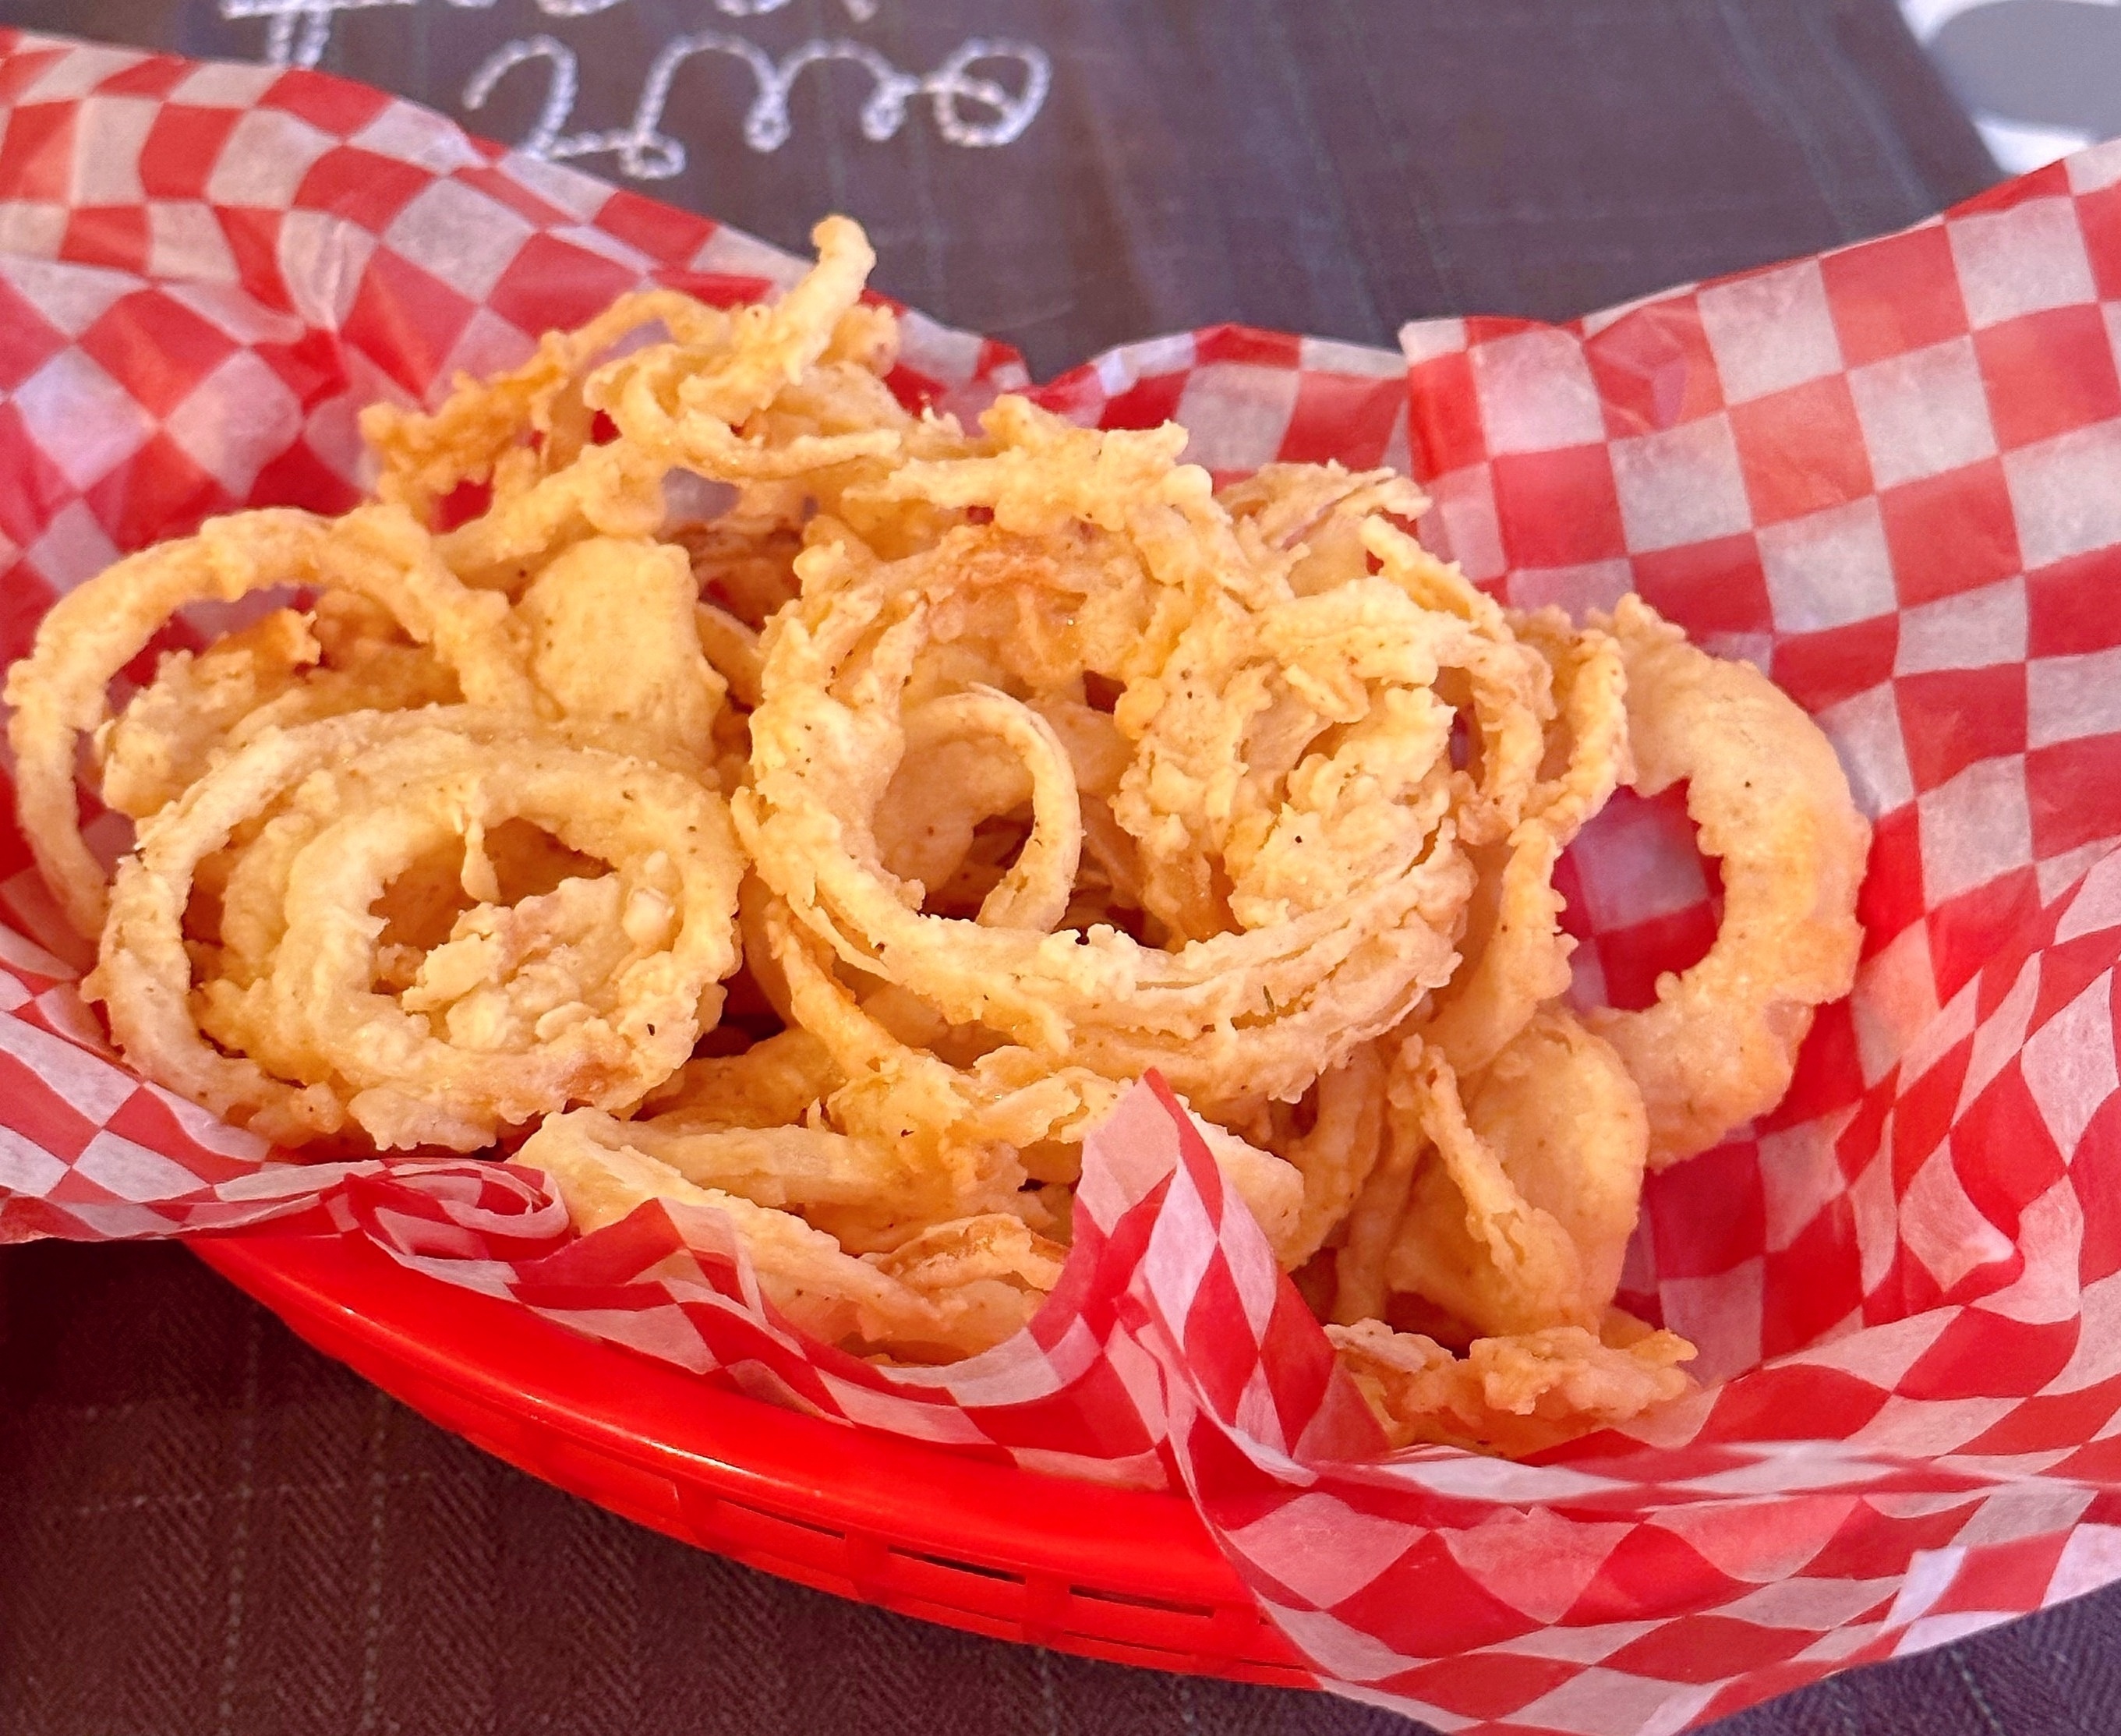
(1891, 475)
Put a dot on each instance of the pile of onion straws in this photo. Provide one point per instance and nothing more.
(773, 800)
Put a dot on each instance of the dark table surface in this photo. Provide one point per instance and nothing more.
(206, 1528)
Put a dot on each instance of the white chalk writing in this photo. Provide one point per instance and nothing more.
(985, 93)
(300, 30)
(283, 47)
(969, 109)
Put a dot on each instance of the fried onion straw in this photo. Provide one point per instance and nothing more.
(58, 692)
(814, 814)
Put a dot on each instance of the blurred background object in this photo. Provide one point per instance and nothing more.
(2041, 78)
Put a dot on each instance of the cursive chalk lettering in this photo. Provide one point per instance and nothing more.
(969, 109)
(298, 31)
(985, 93)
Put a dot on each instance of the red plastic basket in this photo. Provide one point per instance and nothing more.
(1125, 1574)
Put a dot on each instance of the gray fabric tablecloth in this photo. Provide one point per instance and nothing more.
(205, 1527)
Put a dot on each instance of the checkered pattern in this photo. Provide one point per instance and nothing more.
(205, 270)
(1888, 474)
(1937, 1462)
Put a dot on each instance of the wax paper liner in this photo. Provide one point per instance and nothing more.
(1891, 474)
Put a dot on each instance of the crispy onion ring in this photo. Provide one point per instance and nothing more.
(1033, 894)
(1317, 513)
(1515, 1394)
(58, 692)
(613, 632)
(1337, 1154)
(1516, 956)
(170, 729)
(1359, 1288)
(686, 405)
(871, 1197)
(769, 1084)
(527, 423)
(381, 789)
(1772, 804)
(1521, 1217)
(956, 1289)
(1338, 944)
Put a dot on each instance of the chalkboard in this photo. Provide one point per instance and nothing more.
(1069, 173)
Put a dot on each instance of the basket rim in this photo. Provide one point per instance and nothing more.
(407, 1331)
